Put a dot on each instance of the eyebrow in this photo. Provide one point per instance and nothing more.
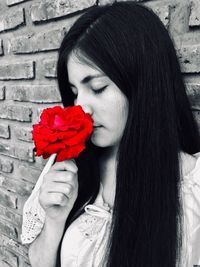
(88, 78)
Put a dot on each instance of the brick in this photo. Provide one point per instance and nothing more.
(20, 203)
(194, 19)
(162, 11)
(13, 245)
(32, 43)
(10, 215)
(16, 186)
(18, 152)
(196, 114)
(126, 0)
(193, 92)
(17, 71)
(105, 2)
(6, 165)
(15, 112)
(34, 93)
(187, 39)
(8, 199)
(9, 257)
(12, 20)
(28, 173)
(24, 134)
(3, 147)
(179, 16)
(14, 2)
(4, 131)
(51, 9)
(1, 47)
(4, 262)
(8, 229)
(50, 68)
(39, 161)
(189, 58)
(2, 92)
(23, 263)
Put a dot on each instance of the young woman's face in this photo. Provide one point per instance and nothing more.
(101, 98)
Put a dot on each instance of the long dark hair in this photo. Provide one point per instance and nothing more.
(129, 43)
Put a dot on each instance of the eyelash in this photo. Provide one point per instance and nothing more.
(96, 91)
(100, 90)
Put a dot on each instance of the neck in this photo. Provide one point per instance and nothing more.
(108, 164)
(108, 159)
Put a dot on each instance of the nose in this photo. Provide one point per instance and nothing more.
(84, 103)
(87, 109)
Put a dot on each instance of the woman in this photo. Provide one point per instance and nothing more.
(124, 201)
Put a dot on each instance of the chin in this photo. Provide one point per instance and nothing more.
(101, 142)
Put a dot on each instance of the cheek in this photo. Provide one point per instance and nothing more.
(116, 117)
(114, 108)
(121, 111)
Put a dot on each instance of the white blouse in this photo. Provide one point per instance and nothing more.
(85, 240)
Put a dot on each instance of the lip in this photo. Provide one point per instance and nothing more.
(96, 127)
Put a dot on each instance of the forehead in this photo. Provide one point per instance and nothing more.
(80, 67)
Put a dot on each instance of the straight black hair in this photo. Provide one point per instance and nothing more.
(129, 43)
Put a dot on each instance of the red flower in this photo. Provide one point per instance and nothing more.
(63, 131)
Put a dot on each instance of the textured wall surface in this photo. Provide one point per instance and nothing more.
(30, 34)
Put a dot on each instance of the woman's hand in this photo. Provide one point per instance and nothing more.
(59, 190)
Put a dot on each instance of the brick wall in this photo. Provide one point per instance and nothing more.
(30, 34)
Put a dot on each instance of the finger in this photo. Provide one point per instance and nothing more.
(66, 165)
(60, 177)
(66, 189)
(59, 198)
(55, 198)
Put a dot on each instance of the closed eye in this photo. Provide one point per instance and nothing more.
(96, 91)
(99, 90)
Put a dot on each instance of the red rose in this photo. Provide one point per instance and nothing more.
(63, 131)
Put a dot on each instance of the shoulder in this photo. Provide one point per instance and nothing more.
(191, 204)
(189, 163)
(190, 176)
